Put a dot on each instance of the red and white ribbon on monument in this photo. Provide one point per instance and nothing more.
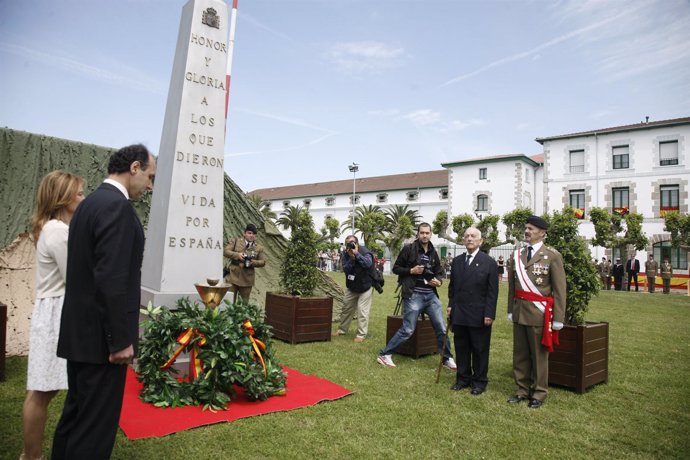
(530, 293)
(231, 46)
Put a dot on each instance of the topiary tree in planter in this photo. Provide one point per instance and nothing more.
(295, 315)
(299, 274)
(581, 275)
(581, 358)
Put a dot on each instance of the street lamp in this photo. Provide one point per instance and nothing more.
(354, 167)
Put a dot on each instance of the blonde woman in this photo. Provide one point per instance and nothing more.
(57, 198)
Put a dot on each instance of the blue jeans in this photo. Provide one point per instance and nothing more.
(420, 303)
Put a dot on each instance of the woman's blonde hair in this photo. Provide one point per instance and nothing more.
(55, 192)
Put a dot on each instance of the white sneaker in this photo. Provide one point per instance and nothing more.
(450, 364)
(386, 360)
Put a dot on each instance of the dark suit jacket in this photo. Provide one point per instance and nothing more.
(102, 293)
(632, 267)
(473, 290)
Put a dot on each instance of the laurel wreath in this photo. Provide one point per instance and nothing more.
(228, 357)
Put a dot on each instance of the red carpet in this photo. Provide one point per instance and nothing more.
(141, 420)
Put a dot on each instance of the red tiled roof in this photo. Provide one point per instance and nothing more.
(633, 127)
(409, 181)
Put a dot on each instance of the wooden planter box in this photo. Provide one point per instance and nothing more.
(422, 342)
(297, 319)
(582, 358)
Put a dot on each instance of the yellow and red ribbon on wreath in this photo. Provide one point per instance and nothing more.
(257, 344)
(196, 365)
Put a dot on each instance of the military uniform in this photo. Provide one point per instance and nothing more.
(651, 267)
(530, 357)
(605, 274)
(666, 275)
(241, 277)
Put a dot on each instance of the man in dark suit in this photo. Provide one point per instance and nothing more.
(632, 268)
(472, 295)
(536, 306)
(99, 325)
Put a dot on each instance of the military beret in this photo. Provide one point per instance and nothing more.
(251, 228)
(538, 222)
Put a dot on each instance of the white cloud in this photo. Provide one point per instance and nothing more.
(423, 117)
(365, 56)
(588, 30)
(129, 78)
(433, 120)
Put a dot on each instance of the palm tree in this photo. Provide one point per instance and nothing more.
(370, 221)
(400, 226)
(289, 217)
(395, 212)
(262, 206)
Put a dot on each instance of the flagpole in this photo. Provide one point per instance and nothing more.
(231, 47)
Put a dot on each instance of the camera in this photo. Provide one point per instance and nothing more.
(428, 273)
(378, 287)
(351, 245)
(248, 260)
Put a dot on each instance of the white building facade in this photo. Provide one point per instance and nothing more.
(639, 168)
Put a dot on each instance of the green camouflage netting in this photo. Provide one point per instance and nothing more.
(25, 158)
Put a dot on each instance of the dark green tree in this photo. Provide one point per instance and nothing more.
(582, 277)
(299, 274)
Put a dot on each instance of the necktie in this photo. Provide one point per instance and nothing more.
(529, 253)
(469, 259)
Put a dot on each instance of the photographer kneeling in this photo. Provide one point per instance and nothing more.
(358, 265)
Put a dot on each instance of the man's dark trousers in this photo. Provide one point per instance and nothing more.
(95, 437)
(472, 353)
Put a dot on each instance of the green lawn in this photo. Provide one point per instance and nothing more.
(643, 412)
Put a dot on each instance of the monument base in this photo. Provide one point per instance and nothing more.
(169, 299)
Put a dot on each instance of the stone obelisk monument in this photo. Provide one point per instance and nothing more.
(184, 242)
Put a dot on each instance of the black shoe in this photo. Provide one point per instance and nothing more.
(517, 399)
(459, 386)
(535, 404)
(476, 391)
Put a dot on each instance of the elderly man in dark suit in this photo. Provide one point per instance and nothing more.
(536, 306)
(100, 316)
(472, 295)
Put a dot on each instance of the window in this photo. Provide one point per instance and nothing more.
(621, 200)
(669, 199)
(286, 203)
(577, 161)
(621, 157)
(443, 194)
(330, 201)
(577, 202)
(482, 173)
(482, 203)
(354, 199)
(382, 198)
(307, 203)
(412, 196)
(677, 256)
(668, 153)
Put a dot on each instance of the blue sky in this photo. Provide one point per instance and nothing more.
(394, 85)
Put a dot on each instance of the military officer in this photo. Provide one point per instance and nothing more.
(651, 268)
(605, 273)
(536, 306)
(245, 255)
(666, 275)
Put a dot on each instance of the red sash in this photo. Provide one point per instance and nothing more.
(549, 337)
